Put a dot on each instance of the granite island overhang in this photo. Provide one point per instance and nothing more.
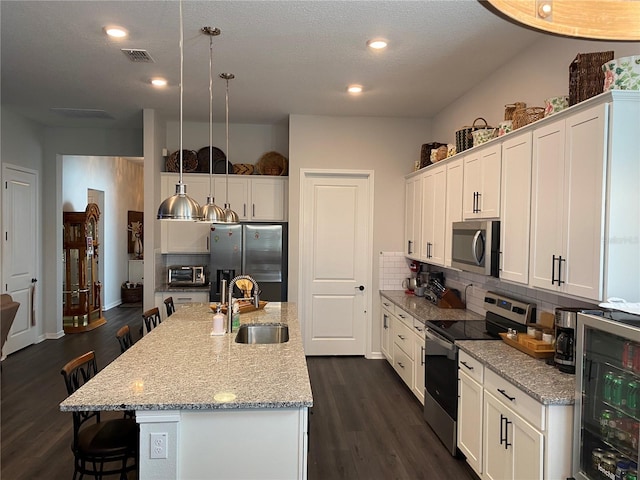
(217, 400)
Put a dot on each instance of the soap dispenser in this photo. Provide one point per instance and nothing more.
(218, 322)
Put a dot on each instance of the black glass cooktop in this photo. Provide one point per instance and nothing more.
(461, 330)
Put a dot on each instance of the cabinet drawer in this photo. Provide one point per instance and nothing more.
(514, 398)
(403, 337)
(418, 328)
(472, 367)
(404, 317)
(387, 305)
(403, 365)
(189, 297)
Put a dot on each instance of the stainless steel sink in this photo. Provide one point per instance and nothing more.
(263, 333)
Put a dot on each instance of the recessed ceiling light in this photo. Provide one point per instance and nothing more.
(116, 32)
(158, 82)
(354, 89)
(377, 44)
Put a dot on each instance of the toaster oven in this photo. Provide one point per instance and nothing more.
(186, 276)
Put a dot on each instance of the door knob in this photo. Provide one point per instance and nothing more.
(361, 288)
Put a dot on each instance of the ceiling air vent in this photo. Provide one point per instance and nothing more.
(137, 55)
(82, 113)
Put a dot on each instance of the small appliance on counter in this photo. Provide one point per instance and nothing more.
(186, 276)
(565, 322)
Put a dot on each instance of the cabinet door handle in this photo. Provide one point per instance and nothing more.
(401, 337)
(506, 433)
(409, 242)
(244, 209)
(419, 329)
(421, 355)
(253, 209)
(503, 392)
(385, 319)
(560, 260)
(553, 269)
(478, 202)
(466, 365)
(386, 304)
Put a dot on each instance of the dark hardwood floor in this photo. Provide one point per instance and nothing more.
(365, 424)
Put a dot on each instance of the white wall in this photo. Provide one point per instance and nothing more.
(540, 72)
(121, 181)
(389, 146)
(22, 146)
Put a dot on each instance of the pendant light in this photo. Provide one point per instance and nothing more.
(180, 206)
(211, 213)
(229, 215)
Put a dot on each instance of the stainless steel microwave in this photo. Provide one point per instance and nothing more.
(186, 275)
(476, 247)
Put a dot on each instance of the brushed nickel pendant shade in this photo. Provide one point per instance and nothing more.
(211, 213)
(229, 215)
(180, 207)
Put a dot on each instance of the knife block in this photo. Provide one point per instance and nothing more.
(450, 300)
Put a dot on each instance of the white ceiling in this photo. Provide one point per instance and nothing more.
(288, 57)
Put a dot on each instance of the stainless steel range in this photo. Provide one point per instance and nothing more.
(441, 372)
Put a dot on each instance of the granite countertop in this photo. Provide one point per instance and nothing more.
(543, 382)
(180, 366)
(424, 310)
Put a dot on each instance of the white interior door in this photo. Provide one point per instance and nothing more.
(19, 255)
(335, 261)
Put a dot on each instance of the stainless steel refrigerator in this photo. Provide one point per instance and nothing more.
(255, 249)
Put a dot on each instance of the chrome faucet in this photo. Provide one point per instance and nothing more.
(255, 298)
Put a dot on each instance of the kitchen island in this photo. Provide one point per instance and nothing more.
(228, 410)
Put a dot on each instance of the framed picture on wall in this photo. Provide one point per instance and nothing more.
(135, 229)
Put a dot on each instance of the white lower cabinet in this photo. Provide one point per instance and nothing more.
(470, 405)
(386, 311)
(418, 360)
(403, 346)
(512, 447)
(179, 298)
(507, 434)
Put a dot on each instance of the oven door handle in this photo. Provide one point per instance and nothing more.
(434, 337)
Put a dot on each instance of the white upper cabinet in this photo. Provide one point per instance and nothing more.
(453, 208)
(254, 197)
(568, 202)
(413, 216)
(434, 189)
(481, 191)
(185, 237)
(516, 205)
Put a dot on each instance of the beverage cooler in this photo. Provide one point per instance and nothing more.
(607, 409)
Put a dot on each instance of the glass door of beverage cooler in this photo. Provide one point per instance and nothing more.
(607, 409)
